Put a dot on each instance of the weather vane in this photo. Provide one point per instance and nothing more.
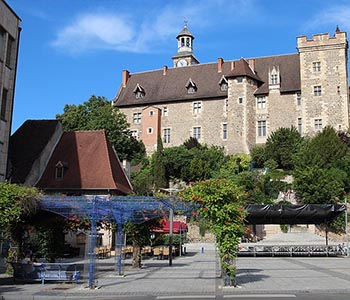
(185, 22)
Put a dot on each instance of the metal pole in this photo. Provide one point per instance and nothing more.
(346, 227)
(119, 247)
(171, 220)
(93, 235)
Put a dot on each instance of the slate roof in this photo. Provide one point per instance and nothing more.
(171, 87)
(26, 145)
(91, 164)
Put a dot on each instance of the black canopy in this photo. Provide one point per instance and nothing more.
(293, 214)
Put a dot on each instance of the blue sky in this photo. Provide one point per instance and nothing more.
(72, 49)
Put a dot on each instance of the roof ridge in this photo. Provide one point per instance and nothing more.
(106, 145)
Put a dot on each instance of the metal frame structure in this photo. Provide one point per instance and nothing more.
(115, 209)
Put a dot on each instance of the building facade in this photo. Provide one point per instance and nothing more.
(9, 41)
(237, 104)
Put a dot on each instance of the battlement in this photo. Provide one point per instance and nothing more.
(339, 40)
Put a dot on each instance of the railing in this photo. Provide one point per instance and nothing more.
(45, 271)
(291, 250)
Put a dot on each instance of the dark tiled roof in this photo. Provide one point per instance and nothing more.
(26, 145)
(171, 87)
(91, 164)
(289, 67)
(242, 68)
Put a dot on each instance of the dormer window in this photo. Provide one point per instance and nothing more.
(274, 77)
(223, 84)
(139, 91)
(191, 87)
(60, 170)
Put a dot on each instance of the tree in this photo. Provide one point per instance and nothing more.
(97, 113)
(324, 150)
(318, 185)
(281, 146)
(140, 236)
(17, 203)
(220, 202)
(159, 174)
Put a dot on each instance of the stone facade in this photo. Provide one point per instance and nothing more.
(9, 41)
(238, 104)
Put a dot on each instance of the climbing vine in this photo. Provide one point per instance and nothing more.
(220, 202)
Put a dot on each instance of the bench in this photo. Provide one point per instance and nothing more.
(31, 272)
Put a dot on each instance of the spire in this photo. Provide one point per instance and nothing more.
(337, 30)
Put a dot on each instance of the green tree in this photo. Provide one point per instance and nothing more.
(17, 204)
(236, 164)
(98, 113)
(318, 185)
(159, 175)
(324, 150)
(258, 155)
(140, 235)
(281, 146)
(142, 181)
(221, 204)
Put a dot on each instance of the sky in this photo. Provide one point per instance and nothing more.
(73, 49)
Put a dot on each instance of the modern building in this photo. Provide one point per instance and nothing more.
(9, 42)
(237, 104)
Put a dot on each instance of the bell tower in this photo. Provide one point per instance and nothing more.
(184, 56)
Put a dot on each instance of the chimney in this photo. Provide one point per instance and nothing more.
(251, 63)
(232, 65)
(126, 167)
(165, 69)
(125, 77)
(220, 63)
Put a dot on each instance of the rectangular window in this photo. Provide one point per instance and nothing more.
(2, 41)
(224, 131)
(317, 90)
(261, 102)
(151, 113)
(318, 124)
(197, 107)
(59, 173)
(300, 126)
(9, 50)
(197, 133)
(240, 100)
(136, 119)
(262, 128)
(274, 79)
(316, 66)
(3, 104)
(166, 137)
(165, 111)
(239, 79)
(298, 98)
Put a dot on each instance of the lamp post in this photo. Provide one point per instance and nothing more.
(346, 228)
(171, 223)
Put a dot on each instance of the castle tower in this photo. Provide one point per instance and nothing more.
(324, 82)
(242, 82)
(184, 56)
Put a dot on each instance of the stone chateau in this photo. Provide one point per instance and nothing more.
(236, 104)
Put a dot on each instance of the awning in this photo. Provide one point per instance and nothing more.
(293, 214)
(177, 227)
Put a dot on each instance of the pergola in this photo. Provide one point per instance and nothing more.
(114, 209)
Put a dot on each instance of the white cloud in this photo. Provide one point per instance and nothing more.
(332, 16)
(145, 31)
(102, 31)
